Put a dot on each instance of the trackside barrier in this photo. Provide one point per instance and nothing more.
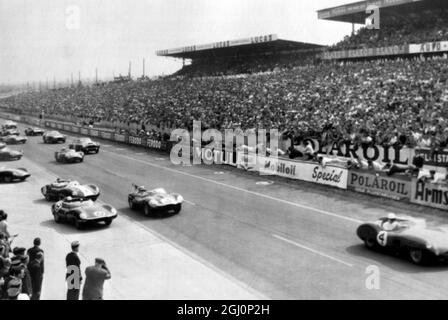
(397, 187)
(430, 194)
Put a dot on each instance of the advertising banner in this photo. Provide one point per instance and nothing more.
(366, 52)
(154, 144)
(94, 133)
(84, 131)
(120, 137)
(302, 170)
(429, 47)
(106, 135)
(396, 187)
(67, 127)
(437, 159)
(76, 129)
(430, 194)
(213, 156)
(135, 140)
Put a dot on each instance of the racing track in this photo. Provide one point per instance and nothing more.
(282, 240)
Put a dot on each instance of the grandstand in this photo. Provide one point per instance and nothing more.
(407, 27)
(248, 55)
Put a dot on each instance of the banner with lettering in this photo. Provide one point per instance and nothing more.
(396, 187)
(430, 194)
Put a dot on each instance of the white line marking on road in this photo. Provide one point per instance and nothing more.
(311, 250)
(189, 202)
(327, 213)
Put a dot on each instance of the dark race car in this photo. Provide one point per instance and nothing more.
(82, 212)
(154, 201)
(13, 139)
(11, 174)
(9, 132)
(85, 145)
(7, 154)
(406, 235)
(62, 188)
(34, 131)
(69, 156)
(53, 137)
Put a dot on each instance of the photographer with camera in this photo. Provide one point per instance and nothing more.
(95, 277)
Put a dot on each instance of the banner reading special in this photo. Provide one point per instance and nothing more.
(430, 194)
(396, 187)
(302, 170)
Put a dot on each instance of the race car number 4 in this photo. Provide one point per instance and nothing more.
(382, 238)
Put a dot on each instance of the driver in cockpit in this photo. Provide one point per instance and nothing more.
(390, 224)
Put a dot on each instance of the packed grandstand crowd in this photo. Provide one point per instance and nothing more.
(424, 26)
(394, 102)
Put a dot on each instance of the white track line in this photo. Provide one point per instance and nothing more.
(244, 190)
(189, 202)
(311, 250)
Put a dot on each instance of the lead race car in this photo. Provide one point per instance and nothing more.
(63, 188)
(85, 145)
(68, 156)
(13, 174)
(13, 139)
(30, 131)
(82, 212)
(7, 154)
(154, 201)
(53, 137)
(407, 235)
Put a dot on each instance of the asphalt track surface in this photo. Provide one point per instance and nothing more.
(281, 240)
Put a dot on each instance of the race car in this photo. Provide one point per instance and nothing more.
(68, 156)
(408, 235)
(9, 125)
(82, 212)
(9, 174)
(53, 137)
(13, 139)
(85, 145)
(34, 131)
(62, 188)
(154, 201)
(7, 154)
(9, 132)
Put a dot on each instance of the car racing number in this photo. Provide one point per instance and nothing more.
(382, 238)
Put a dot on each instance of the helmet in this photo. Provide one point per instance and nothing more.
(69, 198)
(391, 216)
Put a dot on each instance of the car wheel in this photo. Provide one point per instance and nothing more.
(418, 256)
(78, 224)
(370, 243)
(7, 179)
(57, 218)
(131, 204)
(147, 210)
(108, 222)
(177, 208)
(48, 197)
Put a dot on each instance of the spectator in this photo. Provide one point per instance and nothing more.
(95, 277)
(4, 224)
(36, 270)
(32, 252)
(73, 274)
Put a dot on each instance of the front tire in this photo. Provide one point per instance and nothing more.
(177, 208)
(370, 243)
(147, 210)
(131, 204)
(7, 179)
(78, 224)
(56, 217)
(418, 256)
(108, 222)
(48, 197)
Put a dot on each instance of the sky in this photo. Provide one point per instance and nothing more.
(52, 39)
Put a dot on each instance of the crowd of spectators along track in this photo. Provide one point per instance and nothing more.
(421, 27)
(21, 270)
(399, 102)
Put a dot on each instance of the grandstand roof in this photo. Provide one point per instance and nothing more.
(356, 12)
(241, 47)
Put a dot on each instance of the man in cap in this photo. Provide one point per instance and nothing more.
(4, 224)
(73, 275)
(20, 262)
(36, 270)
(95, 277)
(391, 223)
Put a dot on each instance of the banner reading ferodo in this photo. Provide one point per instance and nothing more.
(397, 187)
(302, 170)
